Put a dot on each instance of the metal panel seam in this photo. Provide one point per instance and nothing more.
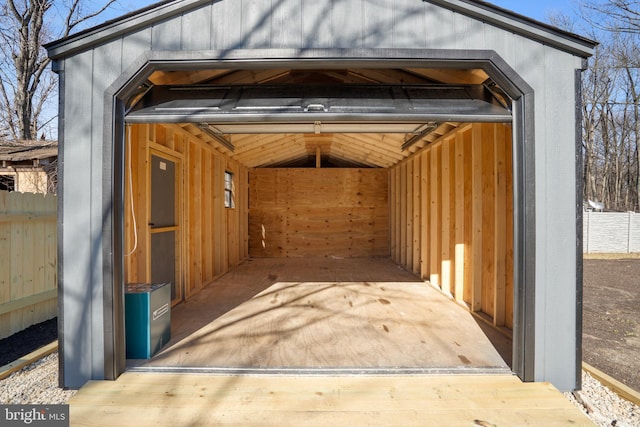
(61, 151)
(579, 228)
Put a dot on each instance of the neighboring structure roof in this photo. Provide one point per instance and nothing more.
(477, 9)
(30, 150)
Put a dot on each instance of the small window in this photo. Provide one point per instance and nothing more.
(7, 183)
(228, 190)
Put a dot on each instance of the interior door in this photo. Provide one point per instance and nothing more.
(164, 224)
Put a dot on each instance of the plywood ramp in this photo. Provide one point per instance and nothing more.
(146, 399)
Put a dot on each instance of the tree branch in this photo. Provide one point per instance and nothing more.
(71, 23)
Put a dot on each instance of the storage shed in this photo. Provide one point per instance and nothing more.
(28, 166)
(444, 135)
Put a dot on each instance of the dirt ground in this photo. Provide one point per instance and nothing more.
(611, 318)
(23, 343)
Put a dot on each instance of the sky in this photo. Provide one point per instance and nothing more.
(537, 9)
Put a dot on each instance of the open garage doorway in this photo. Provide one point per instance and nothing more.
(303, 190)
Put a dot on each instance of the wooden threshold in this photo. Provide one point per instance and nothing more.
(151, 399)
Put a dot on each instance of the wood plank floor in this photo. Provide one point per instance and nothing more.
(153, 399)
(324, 313)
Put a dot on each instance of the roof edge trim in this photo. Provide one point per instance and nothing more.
(520, 24)
(118, 26)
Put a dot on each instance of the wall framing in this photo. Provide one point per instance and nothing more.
(212, 238)
(467, 222)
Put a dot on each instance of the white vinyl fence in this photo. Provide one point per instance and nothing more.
(611, 232)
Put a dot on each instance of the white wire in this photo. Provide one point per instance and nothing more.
(133, 211)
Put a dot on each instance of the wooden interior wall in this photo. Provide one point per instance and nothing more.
(452, 217)
(319, 212)
(212, 237)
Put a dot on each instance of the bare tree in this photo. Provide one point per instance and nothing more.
(596, 91)
(629, 59)
(619, 16)
(25, 84)
(611, 102)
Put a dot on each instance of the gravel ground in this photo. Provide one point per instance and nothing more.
(38, 384)
(603, 406)
(35, 384)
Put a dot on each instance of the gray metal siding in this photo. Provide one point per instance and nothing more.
(347, 28)
(440, 23)
(134, 45)
(470, 33)
(168, 34)
(298, 24)
(227, 25)
(202, 21)
(409, 21)
(556, 344)
(256, 24)
(82, 258)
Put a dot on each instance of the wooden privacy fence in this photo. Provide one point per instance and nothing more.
(28, 260)
(611, 232)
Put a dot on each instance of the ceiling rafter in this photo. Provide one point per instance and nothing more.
(250, 77)
(262, 152)
(170, 78)
(451, 76)
(252, 141)
(391, 76)
(276, 156)
(370, 145)
(365, 157)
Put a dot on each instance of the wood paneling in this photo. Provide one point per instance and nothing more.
(212, 238)
(28, 260)
(464, 215)
(425, 230)
(417, 224)
(435, 214)
(319, 213)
